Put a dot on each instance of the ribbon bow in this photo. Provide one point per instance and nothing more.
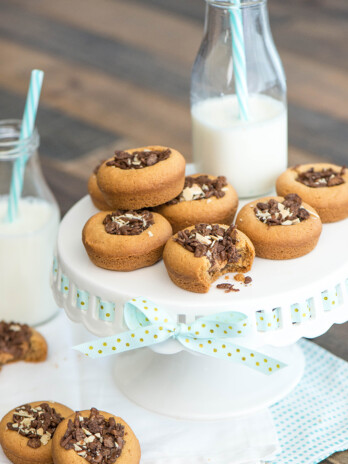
(150, 325)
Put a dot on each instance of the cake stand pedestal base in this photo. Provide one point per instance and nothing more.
(196, 387)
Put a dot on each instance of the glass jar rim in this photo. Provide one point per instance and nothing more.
(16, 147)
(235, 3)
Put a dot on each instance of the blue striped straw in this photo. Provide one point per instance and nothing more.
(239, 64)
(27, 127)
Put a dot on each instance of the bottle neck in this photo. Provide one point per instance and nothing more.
(12, 147)
(218, 16)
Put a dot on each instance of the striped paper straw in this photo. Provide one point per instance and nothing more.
(239, 64)
(27, 127)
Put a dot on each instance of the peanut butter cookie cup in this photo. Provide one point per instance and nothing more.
(280, 228)
(197, 256)
(125, 240)
(19, 342)
(142, 177)
(322, 185)
(95, 192)
(204, 199)
(96, 437)
(26, 432)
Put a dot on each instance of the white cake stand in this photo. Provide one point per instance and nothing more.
(287, 300)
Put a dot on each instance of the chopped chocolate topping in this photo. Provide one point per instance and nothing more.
(287, 213)
(96, 169)
(14, 339)
(123, 222)
(227, 287)
(201, 187)
(214, 242)
(94, 438)
(138, 159)
(324, 178)
(37, 424)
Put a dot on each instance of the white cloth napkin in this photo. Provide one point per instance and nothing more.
(80, 383)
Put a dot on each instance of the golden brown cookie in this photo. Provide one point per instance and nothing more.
(322, 185)
(125, 240)
(197, 256)
(95, 192)
(93, 434)
(280, 228)
(204, 198)
(26, 432)
(19, 342)
(142, 177)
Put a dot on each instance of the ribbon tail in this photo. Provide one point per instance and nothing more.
(239, 354)
(125, 341)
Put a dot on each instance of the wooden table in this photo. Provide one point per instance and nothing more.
(118, 75)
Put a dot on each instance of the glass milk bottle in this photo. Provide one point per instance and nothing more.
(26, 244)
(250, 153)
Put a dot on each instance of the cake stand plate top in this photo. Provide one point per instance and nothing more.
(275, 284)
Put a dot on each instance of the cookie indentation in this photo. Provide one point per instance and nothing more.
(201, 187)
(122, 222)
(38, 424)
(287, 213)
(326, 177)
(138, 159)
(214, 242)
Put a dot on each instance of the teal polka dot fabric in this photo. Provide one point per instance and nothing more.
(106, 310)
(266, 321)
(312, 422)
(82, 299)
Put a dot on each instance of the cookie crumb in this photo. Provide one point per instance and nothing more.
(227, 277)
(239, 277)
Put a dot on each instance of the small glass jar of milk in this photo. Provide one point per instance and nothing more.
(26, 244)
(250, 153)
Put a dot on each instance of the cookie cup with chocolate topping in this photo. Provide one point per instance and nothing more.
(130, 453)
(196, 257)
(15, 445)
(280, 241)
(214, 201)
(129, 248)
(19, 342)
(127, 182)
(329, 197)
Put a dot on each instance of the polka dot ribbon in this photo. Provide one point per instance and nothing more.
(150, 325)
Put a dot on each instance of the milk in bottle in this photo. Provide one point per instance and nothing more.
(27, 243)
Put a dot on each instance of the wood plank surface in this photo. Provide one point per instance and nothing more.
(118, 75)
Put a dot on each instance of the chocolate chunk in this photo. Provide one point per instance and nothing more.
(122, 222)
(34, 443)
(80, 434)
(227, 287)
(247, 280)
(324, 178)
(152, 159)
(102, 438)
(138, 159)
(109, 442)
